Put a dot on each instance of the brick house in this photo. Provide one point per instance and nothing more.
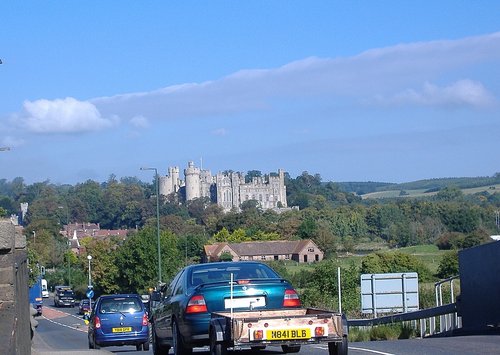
(302, 251)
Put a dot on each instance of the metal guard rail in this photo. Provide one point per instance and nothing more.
(403, 317)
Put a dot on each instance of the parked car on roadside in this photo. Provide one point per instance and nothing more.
(119, 320)
(181, 314)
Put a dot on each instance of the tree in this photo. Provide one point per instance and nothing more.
(104, 266)
(390, 262)
(448, 266)
(138, 260)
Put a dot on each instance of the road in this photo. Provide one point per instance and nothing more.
(61, 330)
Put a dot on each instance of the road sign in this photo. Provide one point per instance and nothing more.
(90, 293)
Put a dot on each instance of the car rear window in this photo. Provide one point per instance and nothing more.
(121, 305)
(223, 273)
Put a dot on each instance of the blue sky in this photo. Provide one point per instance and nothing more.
(389, 91)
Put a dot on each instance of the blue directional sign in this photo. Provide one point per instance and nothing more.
(90, 293)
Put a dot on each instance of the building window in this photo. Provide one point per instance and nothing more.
(287, 257)
(262, 257)
(311, 250)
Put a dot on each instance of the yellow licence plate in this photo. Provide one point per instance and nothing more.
(283, 334)
(122, 330)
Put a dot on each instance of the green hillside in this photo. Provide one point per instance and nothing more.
(422, 188)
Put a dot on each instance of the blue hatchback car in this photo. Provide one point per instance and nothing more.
(119, 320)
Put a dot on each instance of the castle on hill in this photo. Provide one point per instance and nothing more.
(229, 189)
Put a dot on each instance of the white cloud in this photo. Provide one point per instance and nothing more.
(403, 74)
(61, 116)
(219, 132)
(375, 73)
(139, 122)
(461, 93)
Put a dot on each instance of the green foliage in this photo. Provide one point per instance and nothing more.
(391, 332)
(138, 261)
(448, 266)
(322, 289)
(33, 267)
(3, 212)
(391, 262)
(226, 256)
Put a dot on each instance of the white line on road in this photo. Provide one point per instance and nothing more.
(67, 326)
(359, 349)
(370, 351)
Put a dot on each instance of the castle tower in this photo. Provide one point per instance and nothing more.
(193, 188)
(282, 188)
(170, 183)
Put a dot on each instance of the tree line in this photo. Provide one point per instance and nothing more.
(338, 221)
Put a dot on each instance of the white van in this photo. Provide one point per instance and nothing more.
(45, 291)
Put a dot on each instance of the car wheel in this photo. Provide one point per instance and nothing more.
(177, 342)
(138, 347)
(339, 348)
(257, 348)
(157, 348)
(290, 348)
(215, 347)
(145, 346)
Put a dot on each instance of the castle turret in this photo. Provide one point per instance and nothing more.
(192, 174)
(171, 182)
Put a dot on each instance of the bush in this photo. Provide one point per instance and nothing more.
(449, 265)
(391, 332)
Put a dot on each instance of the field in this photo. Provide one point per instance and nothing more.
(430, 255)
(421, 192)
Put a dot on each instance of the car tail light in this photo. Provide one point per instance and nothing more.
(291, 299)
(196, 305)
(97, 322)
(144, 319)
(319, 332)
(258, 334)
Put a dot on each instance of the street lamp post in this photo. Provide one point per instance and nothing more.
(157, 182)
(34, 237)
(69, 263)
(89, 257)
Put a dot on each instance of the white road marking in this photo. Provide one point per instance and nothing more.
(359, 349)
(370, 351)
(65, 325)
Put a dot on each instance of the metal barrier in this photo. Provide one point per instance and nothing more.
(431, 321)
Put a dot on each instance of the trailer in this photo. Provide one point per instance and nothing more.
(290, 329)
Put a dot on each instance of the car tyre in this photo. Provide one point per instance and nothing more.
(138, 347)
(257, 348)
(157, 348)
(340, 348)
(145, 346)
(290, 348)
(177, 342)
(216, 348)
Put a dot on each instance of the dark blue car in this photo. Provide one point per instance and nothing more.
(119, 320)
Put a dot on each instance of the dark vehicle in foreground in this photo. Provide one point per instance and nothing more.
(64, 296)
(84, 306)
(182, 312)
(119, 320)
